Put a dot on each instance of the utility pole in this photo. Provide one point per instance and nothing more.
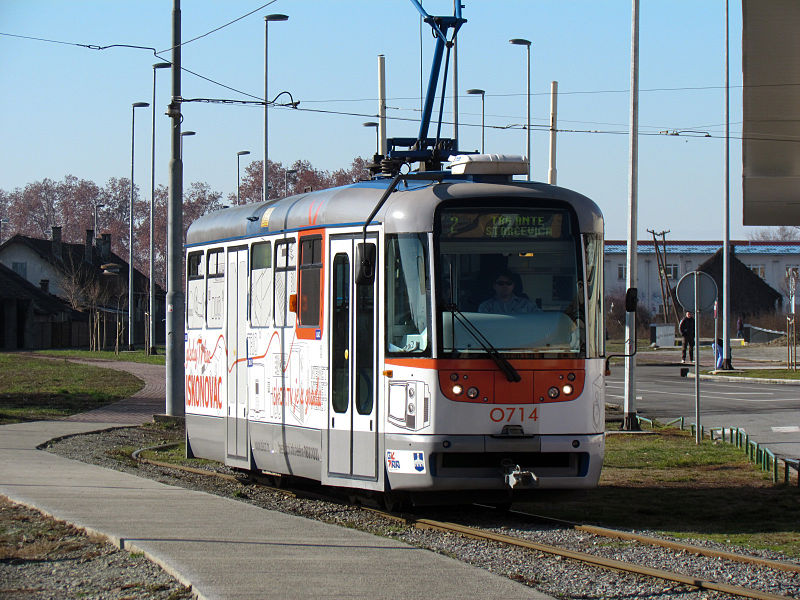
(631, 423)
(175, 300)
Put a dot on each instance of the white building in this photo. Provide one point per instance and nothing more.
(770, 260)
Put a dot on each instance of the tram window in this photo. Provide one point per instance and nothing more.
(261, 284)
(340, 340)
(195, 291)
(285, 284)
(365, 347)
(215, 293)
(310, 276)
(595, 335)
(407, 294)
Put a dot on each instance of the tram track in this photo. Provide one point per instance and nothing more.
(520, 542)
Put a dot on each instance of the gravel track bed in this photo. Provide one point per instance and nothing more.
(558, 577)
(44, 559)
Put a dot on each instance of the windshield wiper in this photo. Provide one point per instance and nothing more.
(506, 367)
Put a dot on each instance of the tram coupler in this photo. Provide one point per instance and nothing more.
(515, 477)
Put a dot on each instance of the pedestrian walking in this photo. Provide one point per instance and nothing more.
(686, 328)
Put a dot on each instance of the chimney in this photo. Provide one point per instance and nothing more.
(57, 247)
(105, 247)
(45, 285)
(88, 256)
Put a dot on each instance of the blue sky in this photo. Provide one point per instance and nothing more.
(67, 109)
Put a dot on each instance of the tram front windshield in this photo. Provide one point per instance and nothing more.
(512, 277)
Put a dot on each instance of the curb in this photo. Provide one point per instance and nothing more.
(119, 543)
(730, 379)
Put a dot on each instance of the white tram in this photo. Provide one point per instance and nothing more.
(349, 335)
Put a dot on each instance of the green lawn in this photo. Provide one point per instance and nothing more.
(137, 356)
(664, 482)
(35, 389)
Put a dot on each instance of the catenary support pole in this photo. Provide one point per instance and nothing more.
(726, 243)
(552, 174)
(382, 105)
(175, 298)
(629, 408)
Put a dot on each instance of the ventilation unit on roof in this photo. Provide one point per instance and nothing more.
(488, 164)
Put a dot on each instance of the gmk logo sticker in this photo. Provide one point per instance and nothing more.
(392, 463)
(405, 461)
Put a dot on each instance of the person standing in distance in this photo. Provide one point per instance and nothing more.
(686, 328)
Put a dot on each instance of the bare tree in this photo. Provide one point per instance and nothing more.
(782, 233)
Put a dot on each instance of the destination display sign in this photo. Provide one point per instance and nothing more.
(528, 225)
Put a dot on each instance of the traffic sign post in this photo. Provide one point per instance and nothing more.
(697, 292)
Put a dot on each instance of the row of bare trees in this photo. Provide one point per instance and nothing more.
(70, 203)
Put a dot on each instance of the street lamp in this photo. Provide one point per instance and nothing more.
(527, 44)
(135, 105)
(265, 170)
(377, 135)
(96, 206)
(184, 133)
(286, 174)
(239, 155)
(2, 221)
(156, 68)
(482, 93)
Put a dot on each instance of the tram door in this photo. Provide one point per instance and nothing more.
(236, 339)
(352, 418)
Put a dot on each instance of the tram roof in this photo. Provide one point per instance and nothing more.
(410, 207)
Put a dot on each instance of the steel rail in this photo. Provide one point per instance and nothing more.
(606, 563)
(669, 544)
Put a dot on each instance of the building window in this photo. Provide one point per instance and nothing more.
(759, 270)
(20, 268)
(622, 270)
(671, 271)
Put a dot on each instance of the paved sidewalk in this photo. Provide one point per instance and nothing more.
(225, 549)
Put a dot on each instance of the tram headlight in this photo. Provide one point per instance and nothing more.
(553, 393)
(472, 392)
(567, 389)
(457, 389)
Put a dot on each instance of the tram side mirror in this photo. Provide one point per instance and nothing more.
(365, 264)
(631, 299)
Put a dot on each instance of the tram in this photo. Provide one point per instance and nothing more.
(422, 334)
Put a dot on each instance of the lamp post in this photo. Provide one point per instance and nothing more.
(239, 155)
(286, 174)
(377, 135)
(96, 206)
(482, 93)
(527, 44)
(134, 106)
(265, 170)
(2, 221)
(183, 134)
(152, 304)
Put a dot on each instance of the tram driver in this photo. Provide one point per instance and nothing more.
(505, 301)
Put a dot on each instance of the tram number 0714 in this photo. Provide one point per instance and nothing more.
(513, 414)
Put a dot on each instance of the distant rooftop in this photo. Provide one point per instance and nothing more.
(741, 247)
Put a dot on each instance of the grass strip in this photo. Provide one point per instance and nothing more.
(137, 356)
(33, 389)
